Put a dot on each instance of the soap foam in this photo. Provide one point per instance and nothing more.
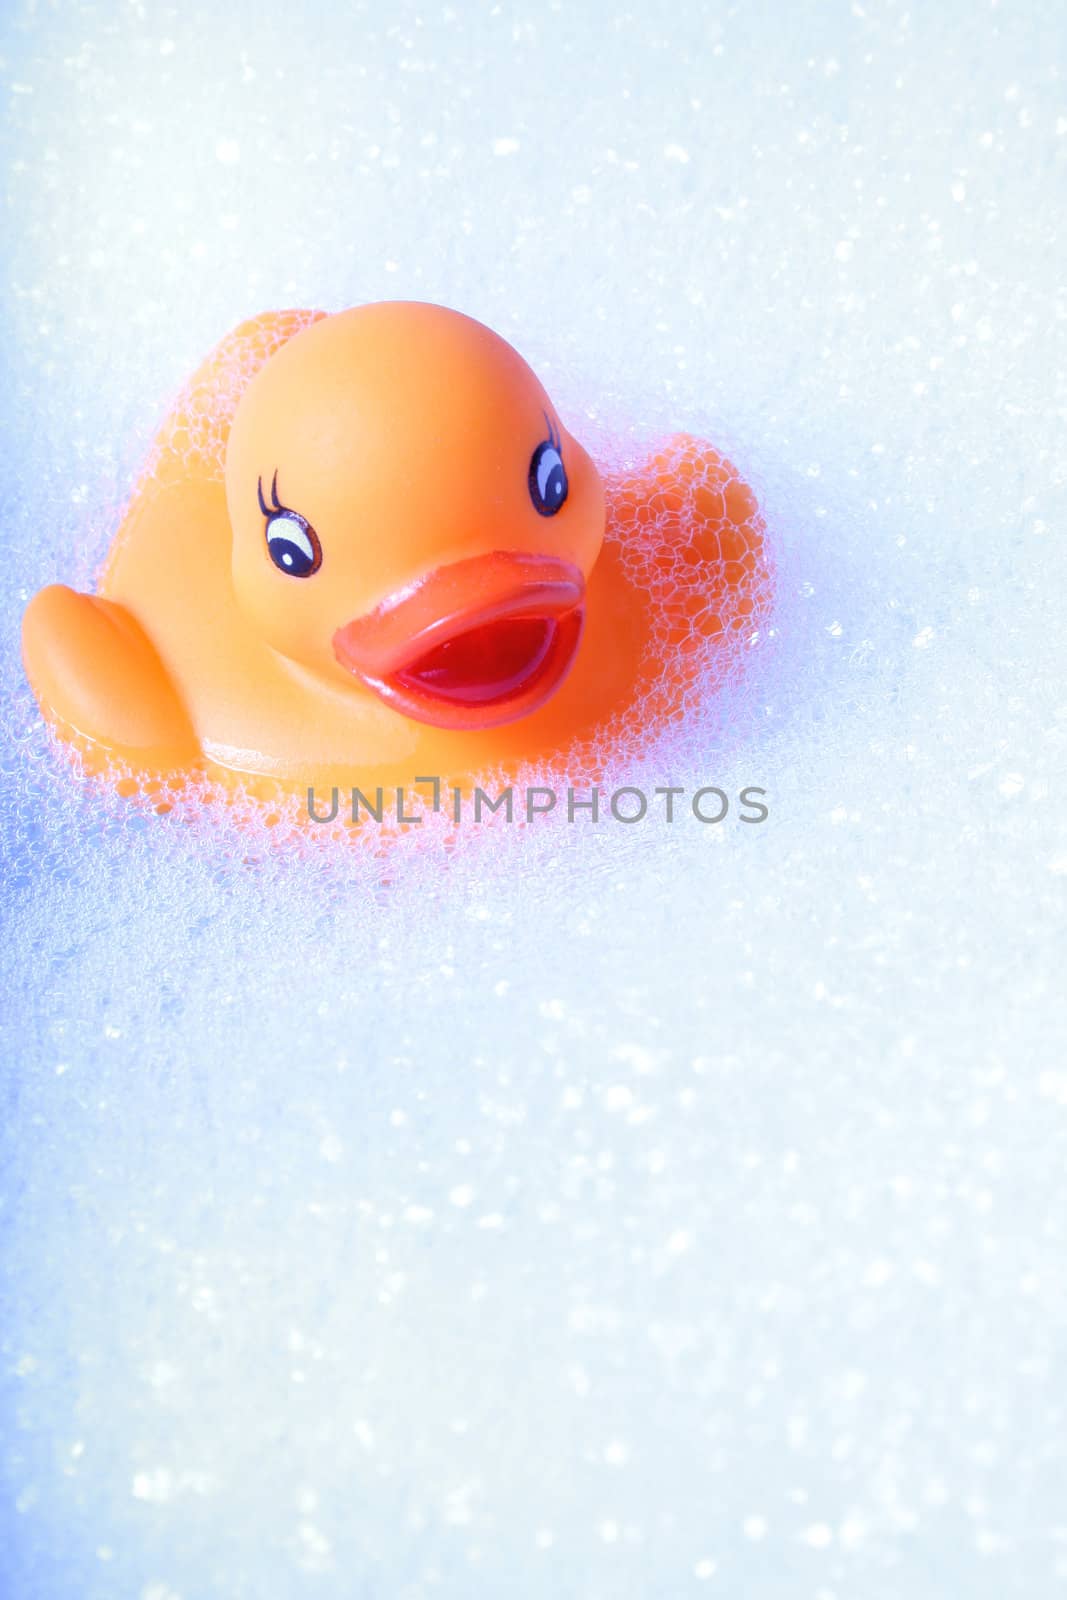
(562, 1209)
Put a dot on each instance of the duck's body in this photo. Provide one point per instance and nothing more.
(208, 649)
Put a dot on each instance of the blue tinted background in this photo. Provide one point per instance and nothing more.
(593, 1212)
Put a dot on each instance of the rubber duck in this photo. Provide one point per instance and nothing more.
(365, 547)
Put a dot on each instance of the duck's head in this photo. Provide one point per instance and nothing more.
(410, 515)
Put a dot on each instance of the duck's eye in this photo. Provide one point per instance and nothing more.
(293, 547)
(548, 478)
(291, 540)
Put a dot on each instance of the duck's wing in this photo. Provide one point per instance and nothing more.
(101, 684)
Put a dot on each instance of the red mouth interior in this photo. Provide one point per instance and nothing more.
(485, 664)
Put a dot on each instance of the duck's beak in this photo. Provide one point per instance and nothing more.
(472, 644)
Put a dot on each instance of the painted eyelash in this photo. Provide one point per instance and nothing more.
(554, 436)
(276, 506)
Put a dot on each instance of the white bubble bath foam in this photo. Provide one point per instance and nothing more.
(575, 1210)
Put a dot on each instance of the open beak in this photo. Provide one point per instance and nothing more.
(473, 644)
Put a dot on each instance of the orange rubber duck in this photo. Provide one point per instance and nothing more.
(365, 548)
